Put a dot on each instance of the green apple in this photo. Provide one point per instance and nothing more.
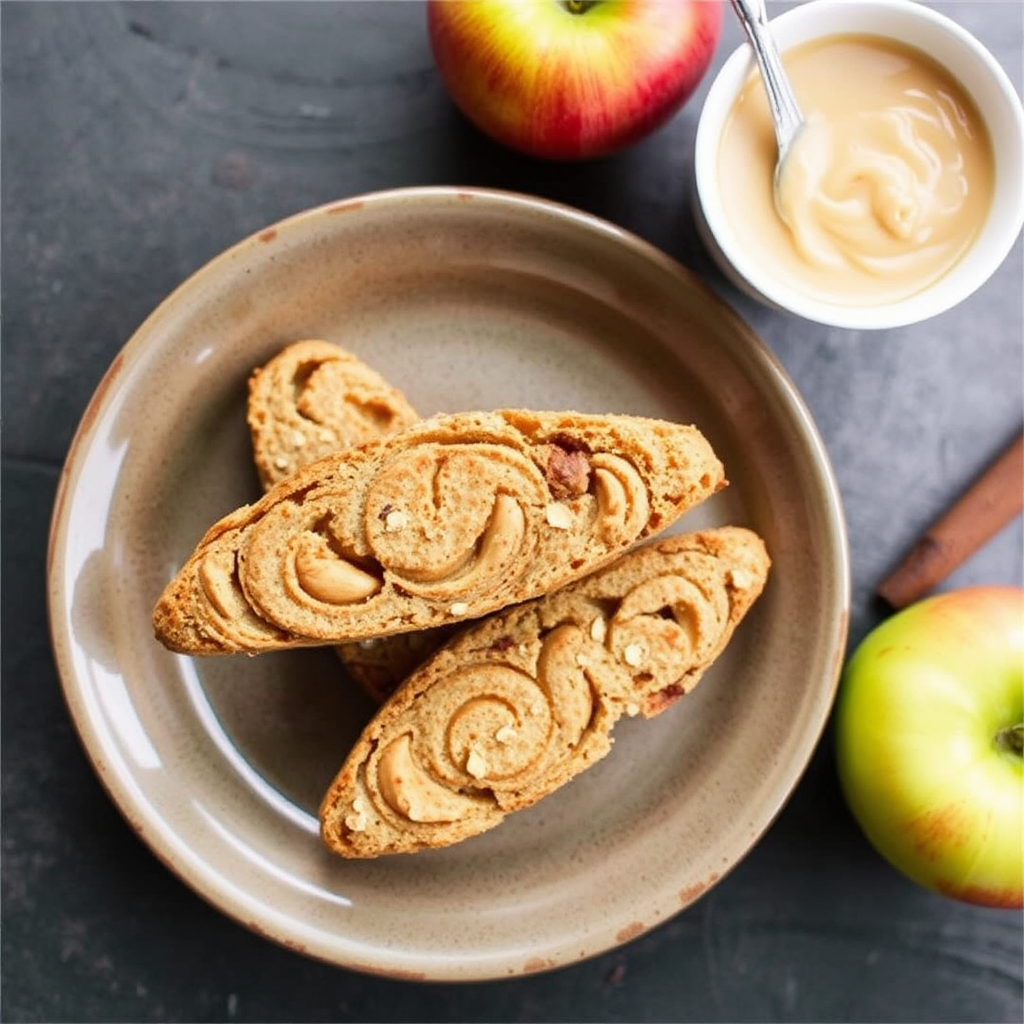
(571, 79)
(929, 728)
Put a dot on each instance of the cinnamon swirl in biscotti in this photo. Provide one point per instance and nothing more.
(451, 518)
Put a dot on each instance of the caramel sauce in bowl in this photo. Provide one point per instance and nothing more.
(901, 196)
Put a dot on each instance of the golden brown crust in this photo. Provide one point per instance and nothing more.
(450, 519)
(518, 704)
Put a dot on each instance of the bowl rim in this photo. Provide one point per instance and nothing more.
(996, 237)
(183, 861)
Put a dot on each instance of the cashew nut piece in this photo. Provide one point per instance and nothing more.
(328, 577)
(410, 791)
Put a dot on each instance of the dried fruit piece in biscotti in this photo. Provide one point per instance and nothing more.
(452, 518)
(521, 702)
(315, 398)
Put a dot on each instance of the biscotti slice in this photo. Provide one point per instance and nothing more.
(520, 703)
(380, 665)
(452, 518)
(315, 398)
(312, 399)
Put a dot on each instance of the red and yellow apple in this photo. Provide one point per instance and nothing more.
(571, 79)
(929, 728)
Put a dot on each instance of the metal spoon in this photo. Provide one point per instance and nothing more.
(785, 110)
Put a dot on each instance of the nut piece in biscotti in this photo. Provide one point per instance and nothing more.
(452, 518)
(313, 399)
(521, 702)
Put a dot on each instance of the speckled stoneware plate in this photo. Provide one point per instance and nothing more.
(466, 300)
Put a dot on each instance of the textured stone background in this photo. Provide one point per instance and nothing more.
(141, 139)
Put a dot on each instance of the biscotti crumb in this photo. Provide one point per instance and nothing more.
(740, 579)
(633, 655)
(357, 821)
(558, 516)
(395, 520)
(476, 765)
(632, 710)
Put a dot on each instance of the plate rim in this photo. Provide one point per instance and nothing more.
(159, 838)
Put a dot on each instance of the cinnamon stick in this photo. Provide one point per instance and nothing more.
(980, 512)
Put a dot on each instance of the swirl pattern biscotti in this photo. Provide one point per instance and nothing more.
(521, 702)
(451, 518)
(315, 398)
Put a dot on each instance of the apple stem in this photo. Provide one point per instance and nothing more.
(1011, 739)
(578, 6)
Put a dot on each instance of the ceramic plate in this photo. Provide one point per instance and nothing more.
(465, 300)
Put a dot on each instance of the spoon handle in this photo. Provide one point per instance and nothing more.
(786, 113)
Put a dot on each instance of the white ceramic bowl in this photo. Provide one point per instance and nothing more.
(980, 75)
